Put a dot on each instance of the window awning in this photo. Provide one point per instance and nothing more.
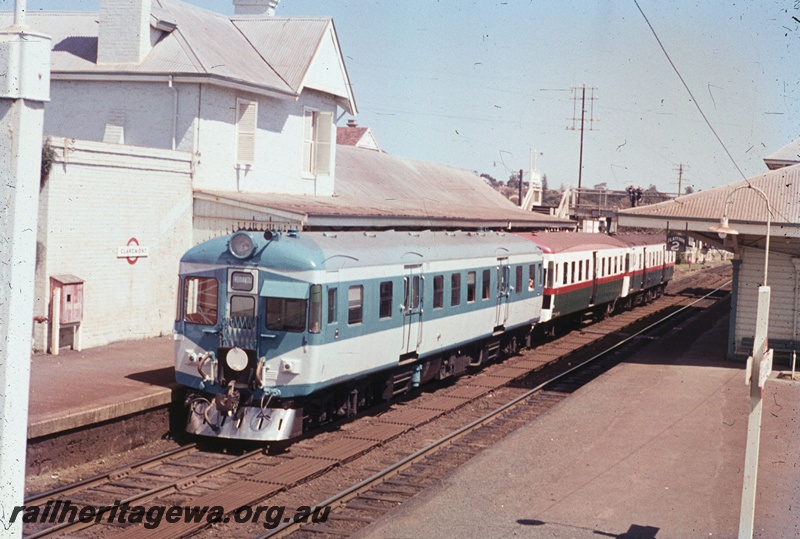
(285, 289)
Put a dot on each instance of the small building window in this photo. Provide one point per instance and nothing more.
(471, 286)
(438, 291)
(455, 289)
(317, 129)
(332, 298)
(386, 300)
(355, 304)
(246, 121)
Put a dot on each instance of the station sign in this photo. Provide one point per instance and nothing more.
(676, 243)
(133, 251)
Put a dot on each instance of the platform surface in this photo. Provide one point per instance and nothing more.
(653, 448)
(76, 389)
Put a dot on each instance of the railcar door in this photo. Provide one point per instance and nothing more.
(413, 288)
(502, 306)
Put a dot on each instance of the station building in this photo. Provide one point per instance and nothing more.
(739, 217)
(169, 124)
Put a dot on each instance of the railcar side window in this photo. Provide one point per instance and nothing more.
(386, 300)
(332, 298)
(286, 314)
(242, 306)
(471, 286)
(531, 277)
(518, 276)
(566, 271)
(438, 291)
(580, 270)
(315, 309)
(355, 304)
(572, 276)
(455, 289)
(487, 279)
(200, 300)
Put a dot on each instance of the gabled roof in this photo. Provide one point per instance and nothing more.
(382, 190)
(260, 54)
(360, 137)
(786, 156)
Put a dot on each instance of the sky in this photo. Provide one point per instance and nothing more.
(482, 85)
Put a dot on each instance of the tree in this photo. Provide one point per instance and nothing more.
(689, 190)
(490, 180)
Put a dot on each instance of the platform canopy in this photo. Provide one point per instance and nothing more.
(747, 204)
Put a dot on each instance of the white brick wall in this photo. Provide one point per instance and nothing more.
(99, 196)
(124, 35)
(82, 109)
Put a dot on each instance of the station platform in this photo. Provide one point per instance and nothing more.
(653, 448)
(79, 389)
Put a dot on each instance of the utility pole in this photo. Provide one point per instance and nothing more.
(583, 120)
(520, 187)
(679, 169)
(24, 88)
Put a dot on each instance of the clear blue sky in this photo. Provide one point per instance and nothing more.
(479, 84)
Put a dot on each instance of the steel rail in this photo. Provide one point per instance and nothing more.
(379, 477)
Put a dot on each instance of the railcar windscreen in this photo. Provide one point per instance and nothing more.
(200, 300)
(286, 314)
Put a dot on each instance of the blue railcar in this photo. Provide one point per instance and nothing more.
(279, 332)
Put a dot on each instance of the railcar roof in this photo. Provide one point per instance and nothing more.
(331, 251)
(636, 240)
(568, 242)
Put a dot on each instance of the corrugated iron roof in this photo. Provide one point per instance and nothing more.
(788, 155)
(273, 54)
(391, 190)
(781, 187)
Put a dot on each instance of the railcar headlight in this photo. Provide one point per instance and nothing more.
(236, 359)
(241, 245)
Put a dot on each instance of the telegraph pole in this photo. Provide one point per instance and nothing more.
(24, 88)
(679, 170)
(583, 120)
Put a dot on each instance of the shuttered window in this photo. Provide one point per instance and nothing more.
(317, 139)
(246, 116)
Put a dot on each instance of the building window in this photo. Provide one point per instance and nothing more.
(455, 289)
(332, 306)
(317, 129)
(355, 304)
(438, 291)
(385, 310)
(246, 118)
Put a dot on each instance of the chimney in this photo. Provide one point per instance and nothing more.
(352, 122)
(124, 35)
(255, 7)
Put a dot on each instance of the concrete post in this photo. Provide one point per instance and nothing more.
(24, 88)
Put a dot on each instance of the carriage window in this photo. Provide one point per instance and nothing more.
(355, 304)
(455, 289)
(386, 300)
(572, 276)
(411, 297)
(531, 277)
(438, 292)
(487, 279)
(332, 298)
(566, 271)
(580, 270)
(471, 282)
(315, 309)
(242, 281)
(242, 306)
(286, 314)
(200, 300)
(519, 279)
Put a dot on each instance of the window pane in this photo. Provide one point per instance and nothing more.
(386, 299)
(242, 306)
(455, 289)
(332, 306)
(519, 279)
(471, 281)
(531, 277)
(200, 305)
(355, 304)
(242, 281)
(315, 311)
(487, 278)
(286, 314)
(438, 292)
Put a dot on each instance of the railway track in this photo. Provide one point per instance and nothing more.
(207, 479)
